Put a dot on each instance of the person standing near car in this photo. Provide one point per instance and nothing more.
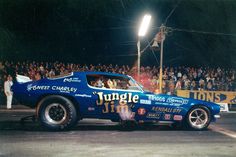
(7, 89)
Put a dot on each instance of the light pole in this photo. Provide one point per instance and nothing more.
(139, 56)
(142, 31)
(162, 30)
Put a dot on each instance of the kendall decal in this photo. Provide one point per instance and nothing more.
(166, 109)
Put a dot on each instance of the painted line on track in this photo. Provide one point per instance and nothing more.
(17, 110)
(231, 112)
(223, 131)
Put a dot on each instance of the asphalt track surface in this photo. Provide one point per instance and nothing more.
(102, 138)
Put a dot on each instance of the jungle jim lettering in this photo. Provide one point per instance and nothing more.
(109, 107)
(122, 98)
(108, 100)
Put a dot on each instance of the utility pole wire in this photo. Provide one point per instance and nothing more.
(201, 32)
(121, 55)
(172, 11)
(153, 53)
(148, 45)
(122, 4)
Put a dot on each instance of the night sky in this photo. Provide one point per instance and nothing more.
(105, 31)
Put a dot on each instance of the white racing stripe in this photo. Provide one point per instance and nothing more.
(223, 131)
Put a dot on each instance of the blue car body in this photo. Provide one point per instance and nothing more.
(114, 104)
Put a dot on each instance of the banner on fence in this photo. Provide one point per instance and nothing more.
(212, 96)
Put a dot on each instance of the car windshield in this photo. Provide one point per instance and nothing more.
(139, 85)
(113, 82)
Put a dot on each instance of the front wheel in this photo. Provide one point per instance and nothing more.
(198, 118)
(57, 113)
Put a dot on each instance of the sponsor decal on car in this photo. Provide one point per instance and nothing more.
(35, 87)
(63, 89)
(161, 103)
(141, 111)
(91, 109)
(177, 101)
(72, 79)
(178, 117)
(83, 95)
(166, 109)
(153, 115)
(173, 101)
(167, 116)
(147, 102)
(156, 98)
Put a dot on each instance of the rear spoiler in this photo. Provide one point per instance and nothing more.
(22, 79)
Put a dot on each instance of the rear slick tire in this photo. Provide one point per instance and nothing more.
(57, 113)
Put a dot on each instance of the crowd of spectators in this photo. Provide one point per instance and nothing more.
(174, 78)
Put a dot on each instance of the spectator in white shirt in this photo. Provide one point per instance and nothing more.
(7, 89)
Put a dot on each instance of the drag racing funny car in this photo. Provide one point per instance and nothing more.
(62, 101)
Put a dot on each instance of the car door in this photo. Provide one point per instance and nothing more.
(112, 102)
